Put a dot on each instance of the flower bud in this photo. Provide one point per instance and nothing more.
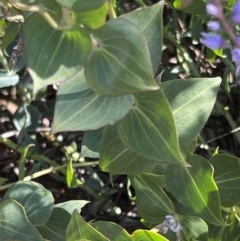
(214, 26)
(213, 41)
(236, 12)
(212, 10)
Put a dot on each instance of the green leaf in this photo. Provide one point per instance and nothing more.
(8, 80)
(93, 19)
(196, 26)
(149, 130)
(71, 179)
(191, 6)
(215, 233)
(115, 157)
(20, 62)
(72, 205)
(149, 190)
(188, 147)
(227, 178)
(2, 180)
(36, 200)
(193, 228)
(112, 231)
(192, 101)
(79, 108)
(61, 54)
(11, 33)
(55, 228)
(79, 229)
(118, 65)
(31, 121)
(14, 225)
(85, 152)
(81, 5)
(92, 139)
(91, 143)
(195, 188)
(115, 232)
(145, 235)
(31, 2)
(149, 21)
(232, 232)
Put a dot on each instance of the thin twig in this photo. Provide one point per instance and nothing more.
(16, 132)
(48, 171)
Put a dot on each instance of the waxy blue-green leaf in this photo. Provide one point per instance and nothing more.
(149, 21)
(72, 205)
(54, 55)
(20, 120)
(8, 80)
(55, 228)
(79, 108)
(93, 19)
(152, 201)
(149, 129)
(192, 101)
(79, 229)
(81, 5)
(91, 143)
(119, 65)
(188, 147)
(14, 224)
(112, 231)
(115, 157)
(36, 200)
(227, 178)
(195, 188)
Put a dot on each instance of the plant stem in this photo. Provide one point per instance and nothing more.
(111, 11)
(49, 170)
(229, 119)
(141, 3)
(229, 64)
(36, 157)
(22, 162)
(228, 28)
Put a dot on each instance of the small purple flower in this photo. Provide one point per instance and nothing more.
(213, 41)
(212, 10)
(236, 12)
(237, 40)
(236, 59)
(214, 26)
(236, 56)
